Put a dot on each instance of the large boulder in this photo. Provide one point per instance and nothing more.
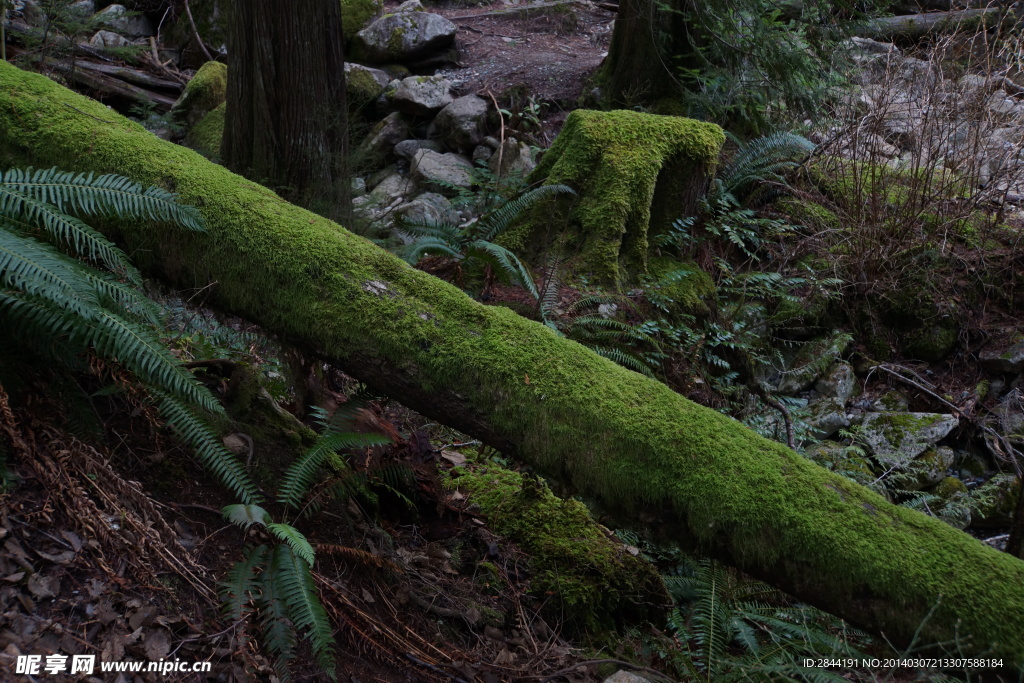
(206, 91)
(513, 158)
(895, 439)
(440, 172)
(429, 208)
(356, 14)
(130, 24)
(996, 500)
(420, 95)
(1004, 359)
(384, 136)
(405, 37)
(461, 123)
(363, 84)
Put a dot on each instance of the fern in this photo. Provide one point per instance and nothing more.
(761, 162)
(241, 583)
(246, 515)
(106, 195)
(474, 241)
(294, 539)
(294, 584)
(208, 448)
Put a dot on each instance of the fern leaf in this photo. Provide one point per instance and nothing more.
(295, 540)
(241, 586)
(106, 195)
(499, 220)
(301, 474)
(26, 214)
(508, 262)
(38, 269)
(275, 624)
(245, 515)
(208, 448)
(142, 352)
(294, 584)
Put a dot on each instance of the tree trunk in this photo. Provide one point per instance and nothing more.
(286, 122)
(640, 68)
(650, 458)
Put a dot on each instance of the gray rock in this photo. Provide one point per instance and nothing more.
(1004, 360)
(995, 501)
(895, 439)
(492, 142)
(482, 153)
(838, 382)
(410, 6)
(623, 676)
(420, 95)
(929, 468)
(404, 37)
(428, 208)
(1010, 412)
(384, 136)
(827, 416)
(108, 39)
(132, 25)
(891, 401)
(461, 123)
(436, 171)
(812, 358)
(364, 83)
(395, 186)
(358, 187)
(847, 461)
(514, 158)
(407, 148)
(83, 8)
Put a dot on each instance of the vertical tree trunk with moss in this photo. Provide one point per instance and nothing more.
(286, 123)
(649, 45)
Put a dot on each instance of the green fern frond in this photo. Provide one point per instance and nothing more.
(275, 624)
(508, 262)
(499, 220)
(294, 583)
(208, 448)
(295, 540)
(106, 195)
(241, 586)
(302, 473)
(41, 271)
(762, 160)
(245, 515)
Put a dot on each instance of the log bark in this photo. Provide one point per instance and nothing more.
(914, 26)
(649, 457)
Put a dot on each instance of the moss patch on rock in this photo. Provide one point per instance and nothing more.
(634, 173)
(592, 578)
(356, 14)
(205, 137)
(206, 91)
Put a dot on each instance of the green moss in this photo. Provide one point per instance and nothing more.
(809, 213)
(592, 578)
(644, 453)
(932, 342)
(361, 88)
(680, 295)
(996, 500)
(634, 172)
(356, 14)
(205, 92)
(949, 488)
(205, 137)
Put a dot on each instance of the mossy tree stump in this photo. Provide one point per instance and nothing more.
(634, 173)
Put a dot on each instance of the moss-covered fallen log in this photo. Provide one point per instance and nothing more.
(644, 453)
(915, 26)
